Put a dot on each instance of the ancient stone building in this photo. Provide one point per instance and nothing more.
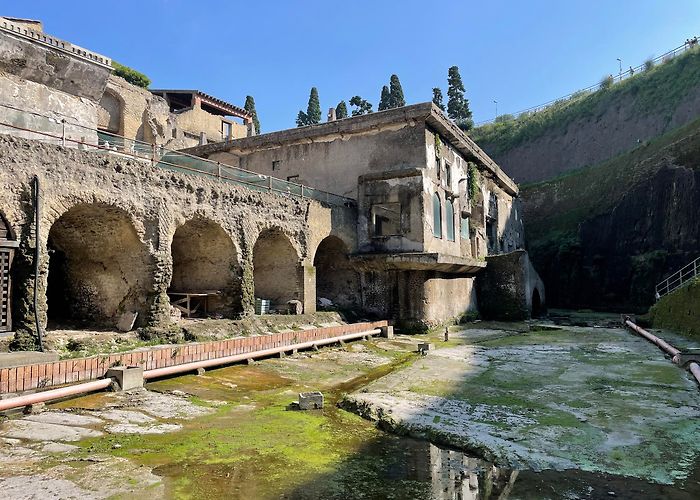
(395, 214)
(431, 205)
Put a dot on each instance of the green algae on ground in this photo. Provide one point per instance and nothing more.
(249, 446)
(598, 399)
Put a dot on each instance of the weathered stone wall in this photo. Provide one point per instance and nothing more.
(52, 67)
(510, 288)
(448, 296)
(138, 115)
(196, 120)
(334, 162)
(154, 203)
(33, 106)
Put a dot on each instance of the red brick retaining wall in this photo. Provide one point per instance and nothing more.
(24, 378)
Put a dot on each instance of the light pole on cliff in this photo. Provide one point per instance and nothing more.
(620, 61)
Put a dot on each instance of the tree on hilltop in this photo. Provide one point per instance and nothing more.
(362, 106)
(384, 99)
(437, 98)
(458, 105)
(396, 99)
(250, 108)
(341, 111)
(313, 110)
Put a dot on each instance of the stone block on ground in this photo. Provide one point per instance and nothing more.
(127, 377)
(310, 400)
(295, 307)
(126, 321)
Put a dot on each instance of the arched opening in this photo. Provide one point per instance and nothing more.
(7, 245)
(109, 117)
(337, 282)
(437, 216)
(537, 306)
(275, 269)
(205, 270)
(98, 267)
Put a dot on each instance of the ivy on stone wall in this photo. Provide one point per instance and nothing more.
(473, 181)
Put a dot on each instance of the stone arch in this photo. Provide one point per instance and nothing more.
(276, 268)
(205, 260)
(7, 245)
(110, 113)
(336, 279)
(98, 267)
(537, 304)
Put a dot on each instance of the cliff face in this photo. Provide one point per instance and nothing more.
(612, 185)
(591, 128)
(613, 260)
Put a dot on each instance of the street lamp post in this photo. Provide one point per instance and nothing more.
(620, 61)
(496, 103)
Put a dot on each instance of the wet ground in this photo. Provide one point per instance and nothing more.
(599, 401)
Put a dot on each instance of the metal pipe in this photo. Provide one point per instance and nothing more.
(653, 338)
(41, 397)
(96, 385)
(188, 367)
(692, 366)
(695, 370)
(37, 323)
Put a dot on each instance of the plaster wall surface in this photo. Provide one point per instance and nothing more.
(19, 98)
(334, 162)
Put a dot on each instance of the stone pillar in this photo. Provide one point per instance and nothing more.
(307, 286)
(250, 128)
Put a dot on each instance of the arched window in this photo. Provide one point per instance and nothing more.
(437, 216)
(450, 220)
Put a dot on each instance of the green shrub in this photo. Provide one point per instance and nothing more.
(131, 75)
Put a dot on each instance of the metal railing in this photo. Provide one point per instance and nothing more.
(57, 130)
(681, 277)
(667, 56)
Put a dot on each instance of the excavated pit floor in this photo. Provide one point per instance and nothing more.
(568, 413)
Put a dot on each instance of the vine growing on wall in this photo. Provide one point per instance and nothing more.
(473, 181)
(438, 145)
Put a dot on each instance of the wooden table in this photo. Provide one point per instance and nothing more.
(187, 305)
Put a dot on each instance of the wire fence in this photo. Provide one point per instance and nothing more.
(60, 131)
(622, 75)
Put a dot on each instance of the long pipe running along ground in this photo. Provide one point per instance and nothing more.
(665, 346)
(97, 385)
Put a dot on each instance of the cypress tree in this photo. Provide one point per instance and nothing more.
(250, 108)
(457, 104)
(396, 99)
(313, 112)
(384, 100)
(341, 111)
(437, 98)
(361, 106)
(302, 119)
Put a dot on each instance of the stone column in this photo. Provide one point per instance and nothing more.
(307, 286)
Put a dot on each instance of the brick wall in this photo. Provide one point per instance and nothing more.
(28, 377)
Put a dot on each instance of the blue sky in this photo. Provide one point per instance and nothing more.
(516, 52)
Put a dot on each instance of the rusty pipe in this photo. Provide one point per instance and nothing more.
(188, 367)
(692, 366)
(97, 385)
(653, 338)
(695, 370)
(41, 397)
